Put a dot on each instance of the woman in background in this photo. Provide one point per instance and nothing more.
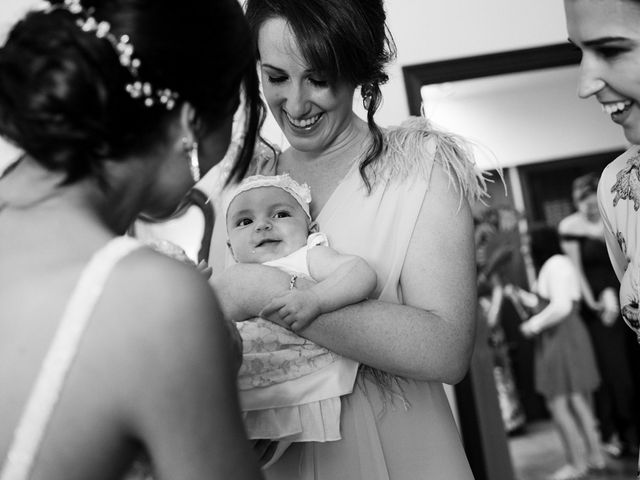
(582, 239)
(565, 371)
(108, 350)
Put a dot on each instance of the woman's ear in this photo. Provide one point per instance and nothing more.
(313, 227)
(188, 121)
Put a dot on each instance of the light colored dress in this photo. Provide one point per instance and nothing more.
(290, 387)
(414, 435)
(50, 381)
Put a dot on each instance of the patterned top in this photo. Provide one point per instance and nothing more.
(619, 202)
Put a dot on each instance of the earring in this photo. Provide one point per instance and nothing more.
(191, 150)
(367, 95)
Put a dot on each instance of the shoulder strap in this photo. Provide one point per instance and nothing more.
(56, 364)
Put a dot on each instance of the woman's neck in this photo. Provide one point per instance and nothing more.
(351, 142)
(31, 187)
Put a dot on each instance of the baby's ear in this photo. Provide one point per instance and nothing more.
(313, 227)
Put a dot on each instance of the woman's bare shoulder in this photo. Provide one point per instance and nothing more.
(162, 306)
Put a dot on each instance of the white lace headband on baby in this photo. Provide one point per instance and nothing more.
(300, 192)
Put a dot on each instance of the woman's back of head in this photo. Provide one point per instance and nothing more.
(544, 244)
(63, 89)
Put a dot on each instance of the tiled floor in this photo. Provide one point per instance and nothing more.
(537, 453)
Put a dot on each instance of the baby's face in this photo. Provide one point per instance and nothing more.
(264, 224)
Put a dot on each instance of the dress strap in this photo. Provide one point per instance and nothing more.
(57, 362)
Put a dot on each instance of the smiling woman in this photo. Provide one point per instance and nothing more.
(376, 195)
(610, 42)
(607, 33)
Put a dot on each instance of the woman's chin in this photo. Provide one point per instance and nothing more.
(633, 135)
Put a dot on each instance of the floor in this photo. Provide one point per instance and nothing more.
(537, 453)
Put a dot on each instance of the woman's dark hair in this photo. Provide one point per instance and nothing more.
(346, 40)
(584, 186)
(544, 244)
(62, 90)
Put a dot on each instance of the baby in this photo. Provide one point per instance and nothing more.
(290, 387)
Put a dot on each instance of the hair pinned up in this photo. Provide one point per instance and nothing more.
(70, 99)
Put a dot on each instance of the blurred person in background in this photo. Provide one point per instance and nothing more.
(565, 370)
(582, 239)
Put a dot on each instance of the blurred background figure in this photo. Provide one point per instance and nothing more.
(582, 239)
(494, 252)
(565, 369)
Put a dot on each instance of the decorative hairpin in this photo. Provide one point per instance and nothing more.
(137, 89)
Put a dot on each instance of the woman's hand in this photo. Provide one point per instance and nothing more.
(529, 329)
(610, 307)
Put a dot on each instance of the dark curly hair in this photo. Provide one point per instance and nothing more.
(62, 90)
(584, 186)
(348, 40)
(544, 244)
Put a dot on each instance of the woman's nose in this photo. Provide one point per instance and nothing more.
(589, 82)
(297, 104)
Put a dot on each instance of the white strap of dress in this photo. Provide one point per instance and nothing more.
(48, 386)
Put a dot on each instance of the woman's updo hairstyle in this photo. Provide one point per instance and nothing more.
(346, 40)
(63, 95)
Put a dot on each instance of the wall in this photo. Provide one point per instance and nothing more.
(427, 31)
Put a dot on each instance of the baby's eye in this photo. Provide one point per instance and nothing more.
(282, 214)
(243, 222)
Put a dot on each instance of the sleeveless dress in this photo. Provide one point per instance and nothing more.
(56, 364)
(413, 435)
(290, 387)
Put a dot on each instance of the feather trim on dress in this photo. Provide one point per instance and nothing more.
(415, 146)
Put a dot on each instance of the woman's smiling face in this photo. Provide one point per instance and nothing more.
(310, 110)
(607, 32)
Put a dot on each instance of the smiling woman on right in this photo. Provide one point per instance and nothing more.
(607, 33)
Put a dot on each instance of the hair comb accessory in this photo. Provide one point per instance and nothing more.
(138, 89)
(300, 192)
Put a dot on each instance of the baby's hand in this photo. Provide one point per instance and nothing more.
(204, 268)
(295, 310)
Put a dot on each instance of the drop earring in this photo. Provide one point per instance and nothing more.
(191, 150)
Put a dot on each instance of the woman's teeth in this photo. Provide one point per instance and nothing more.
(305, 122)
(611, 108)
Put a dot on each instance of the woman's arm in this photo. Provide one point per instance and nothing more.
(572, 249)
(429, 338)
(341, 280)
(560, 281)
